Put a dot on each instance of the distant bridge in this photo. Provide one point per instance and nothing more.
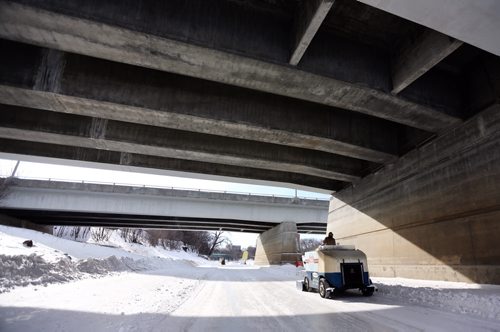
(111, 205)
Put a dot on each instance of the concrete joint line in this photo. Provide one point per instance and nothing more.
(50, 71)
(98, 128)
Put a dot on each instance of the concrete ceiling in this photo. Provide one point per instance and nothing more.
(313, 93)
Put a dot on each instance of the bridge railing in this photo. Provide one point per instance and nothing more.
(166, 187)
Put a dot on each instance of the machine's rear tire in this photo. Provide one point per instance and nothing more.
(306, 287)
(367, 291)
(323, 285)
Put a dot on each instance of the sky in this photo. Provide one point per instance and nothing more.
(71, 173)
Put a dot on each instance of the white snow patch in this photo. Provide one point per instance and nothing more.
(460, 297)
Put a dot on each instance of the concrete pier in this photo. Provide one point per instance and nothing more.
(278, 245)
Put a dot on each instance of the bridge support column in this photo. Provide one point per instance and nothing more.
(279, 245)
(435, 213)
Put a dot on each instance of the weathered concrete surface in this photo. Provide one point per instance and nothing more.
(434, 214)
(57, 154)
(279, 245)
(310, 16)
(418, 56)
(77, 131)
(98, 39)
(86, 86)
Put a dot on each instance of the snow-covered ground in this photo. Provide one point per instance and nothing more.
(62, 285)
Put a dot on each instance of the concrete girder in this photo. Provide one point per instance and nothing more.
(309, 18)
(97, 88)
(166, 152)
(111, 111)
(69, 218)
(97, 39)
(419, 56)
(144, 162)
(56, 128)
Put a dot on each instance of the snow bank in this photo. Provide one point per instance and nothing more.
(478, 300)
(25, 270)
(55, 260)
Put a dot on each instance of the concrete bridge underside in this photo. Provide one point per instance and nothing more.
(393, 106)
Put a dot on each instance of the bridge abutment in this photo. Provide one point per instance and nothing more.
(279, 245)
(435, 213)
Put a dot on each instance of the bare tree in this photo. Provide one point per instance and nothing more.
(217, 240)
(309, 244)
(73, 232)
(100, 234)
(134, 235)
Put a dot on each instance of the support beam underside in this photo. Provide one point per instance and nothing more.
(78, 131)
(32, 25)
(418, 57)
(65, 218)
(309, 18)
(59, 151)
(103, 89)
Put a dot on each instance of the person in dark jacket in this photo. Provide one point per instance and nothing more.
(329, 240)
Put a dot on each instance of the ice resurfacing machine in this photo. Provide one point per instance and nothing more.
(332, 269)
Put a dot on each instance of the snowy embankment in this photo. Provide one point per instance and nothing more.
(459, 297)
(55, 260)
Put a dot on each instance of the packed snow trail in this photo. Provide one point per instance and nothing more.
(231, 298)
(250, 300)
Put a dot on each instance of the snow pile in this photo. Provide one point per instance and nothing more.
(25, 270)
(56, 260)
(33, 269)
(478, 300)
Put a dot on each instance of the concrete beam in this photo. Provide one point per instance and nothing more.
(165, 171)
(419, 56)
(70, 218)
(171, 152)
(101, 89)
(125, 161)
(78, 131)
(310, 15)
(97, 39)
(279, 245)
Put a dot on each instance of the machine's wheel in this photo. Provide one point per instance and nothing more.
(323, 285)
(306, 287)
(367, 291)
